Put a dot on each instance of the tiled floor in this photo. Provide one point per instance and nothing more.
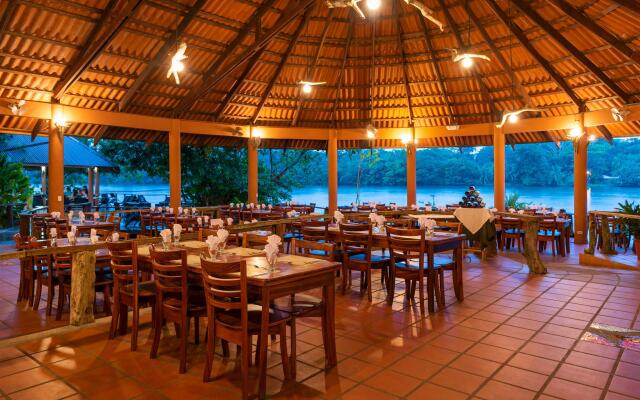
(514, 337)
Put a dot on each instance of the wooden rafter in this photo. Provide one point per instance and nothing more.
(436, 66)
(343, 65)
(6, 16)
(524, 42)
(581, 18)
(405, 68)
(301, 98)
(161, 54)
(236, 85)
(283, 61)
(101, 35)
(212, 77)
(606, 133)
(564, 42)
(483, 88)
(633, 5)
(37, 128)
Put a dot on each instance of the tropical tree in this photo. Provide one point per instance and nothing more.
(14, 186)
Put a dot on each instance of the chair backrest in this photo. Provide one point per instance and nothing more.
(356, 239)
(204, 233)
(408, 246)
(510, 223)
(548, 225)
(314, 229)
(364, 208)
(22, 242)
(313, 249)
(251, 240)
(449, 226)
(63, 263)
(400, 222)
(124, 263)
(225, 287)
(170, 273)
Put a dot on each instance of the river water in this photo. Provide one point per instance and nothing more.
(600, 197)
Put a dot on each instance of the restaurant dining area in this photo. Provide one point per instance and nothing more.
(229, 286)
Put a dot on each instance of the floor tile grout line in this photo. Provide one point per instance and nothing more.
(575, 343)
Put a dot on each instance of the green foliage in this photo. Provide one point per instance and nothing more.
(632, 225)
(14, 184)
(512, 202)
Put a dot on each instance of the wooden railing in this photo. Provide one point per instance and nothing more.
(605, 231)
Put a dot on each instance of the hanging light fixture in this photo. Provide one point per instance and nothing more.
(465, 58)
(371, 128)
(16, 108)
(347, 3)
(177, 65)
(374, 4)
(513, 116)
(307, 85)
(371, 131)
(426, 12)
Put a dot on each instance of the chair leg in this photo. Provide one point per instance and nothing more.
(184, 336)
(61, 295)
(38, 296)
(421, 292)
(225, 348)
(50, 293)
(115, 315)
(196, 328)
(106, 305)
(134, 327)
(246, 357)
(157, 330)
(283, 351)
(211, 346)
(292, 365)
(369, 294)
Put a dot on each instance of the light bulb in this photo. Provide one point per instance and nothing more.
(306, 88)
(178, 66)
(592, 137)
(405, 139)
(370, 134)
(467, 62)
(575, 133)
(60, 121)
(373, 4)
(513, 118)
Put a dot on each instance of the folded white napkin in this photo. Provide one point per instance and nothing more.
(274, 240)
(372, 217)
(414, 207)
(71, 236)
(263, 206)
(521, 212)
(206, 219)
(512, 210)
(270, 206)
(179, 210)
(217, 223)
(74, 229)
(93, 239)
(231, 205)
(93, 232)
(53, 232)
(199, 221)
(380, 220)
(223, 234)
(177, 229)
(493, 210)
(213, 242)
(115, 236)
(96, 216)
(194, 210)
(339, 217)
(251, 205)
(426, 222)
(166, 235)
(81, 215)
(253, 221)
(70, 215)
(229, 221)
(170, 210)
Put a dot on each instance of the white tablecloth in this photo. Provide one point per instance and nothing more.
(473, 218)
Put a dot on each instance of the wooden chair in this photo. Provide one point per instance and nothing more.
(177, 300)
(27, 270)
(356, 241)
(45, 276)
(444, 226)
(548, 232)
(233, 319)
(62, 269)
(115, 220)
(407, 248)
(128, 290)
(316, 230)
(400, 222)
(146, 224)
(510, 230)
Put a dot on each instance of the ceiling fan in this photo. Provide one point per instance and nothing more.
(307, 85)
(346, 3)
(513, 116)
(466, 59)
(16, 108)
(176, 62)
(375, 4)
(426, 12)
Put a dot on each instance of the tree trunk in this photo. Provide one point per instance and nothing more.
(593, 238)
(606, 237)
(531, 247)
(83, 280)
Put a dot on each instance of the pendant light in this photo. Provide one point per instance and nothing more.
(465, 58)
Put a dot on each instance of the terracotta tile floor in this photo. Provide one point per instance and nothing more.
(514, 337)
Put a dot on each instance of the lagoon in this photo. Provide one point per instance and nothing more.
(602, 197)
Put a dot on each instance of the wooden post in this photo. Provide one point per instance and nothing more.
(96, 180)
(90, 185)
(332, 157)
(607, 247)
(175, 173)
(498, 168)
(411, 174)
(83, 280)
(252, 170)
(534, 262)
(593, 238)
(56, 167)
(580, 189)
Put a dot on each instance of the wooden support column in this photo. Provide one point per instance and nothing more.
(252, 170)
(332, 157)
(580, 148)
(83, 279)
(56, 168)
(411, 174)
(90, 185)
(498, 168)
(175, 172)
(96, 181)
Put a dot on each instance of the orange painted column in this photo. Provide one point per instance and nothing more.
(56, 168)
(411, 174)
(175, 171)
(498, 168)
(332, 157)
(252, 172)
(580, 153)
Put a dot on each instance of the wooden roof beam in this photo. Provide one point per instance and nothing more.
(161, 54)
(212, 77)
(581, 18)
(405, 68)
(476, 75)
(342, 68)
(606, 133)
(633, 5)
(98, 39)
(436, 66)
(524, 42)
(325, 32)
(6, 16)
(575, 52)
(283, 61)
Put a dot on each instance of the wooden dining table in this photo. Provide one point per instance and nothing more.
(293, 274)
(563, 225)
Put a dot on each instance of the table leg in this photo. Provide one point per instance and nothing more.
(458, 281)
(567, 239)
(431, 282)
(264, 340)
(329, 323)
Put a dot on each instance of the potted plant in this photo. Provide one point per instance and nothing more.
(632, 225)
